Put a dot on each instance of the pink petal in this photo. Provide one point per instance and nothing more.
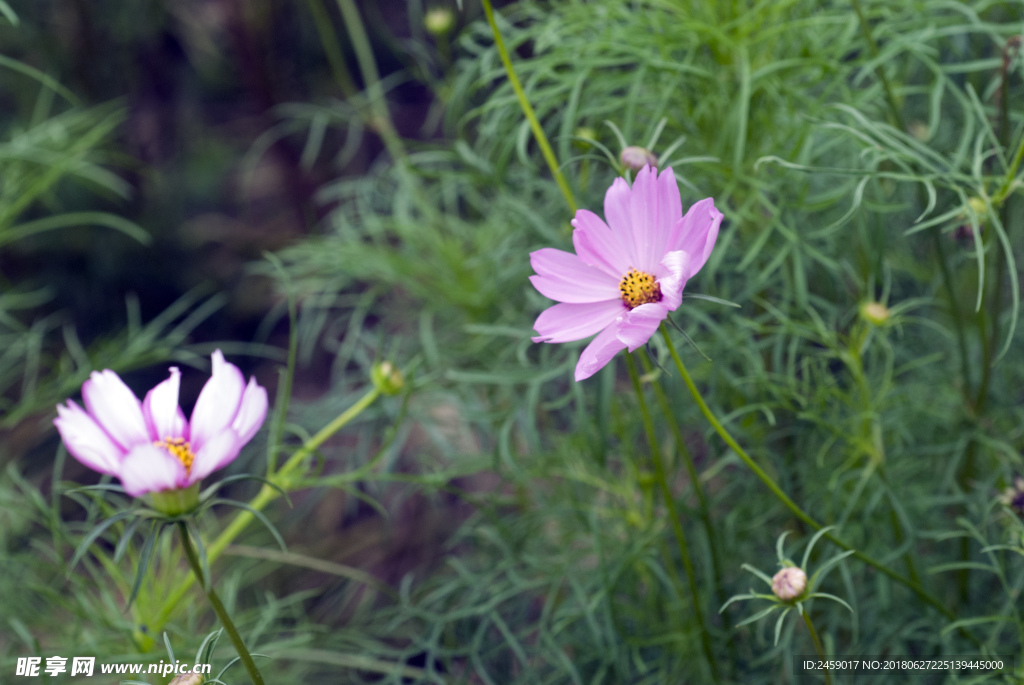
(164, 417)
(617, 214)
(599, 246)
(86, 441)
(566, 322)
(672, 274)
(697, 232)
(599, 352)
(116, 408)
(148, 468)
(251, 412)
(641, 323)
(218, 452)
(563, 277)
(650, 210)
(671, 207)
(218, 401)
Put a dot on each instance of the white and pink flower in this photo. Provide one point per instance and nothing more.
(149, 445)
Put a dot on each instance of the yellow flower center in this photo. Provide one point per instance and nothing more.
(639, 288)
(179, 449)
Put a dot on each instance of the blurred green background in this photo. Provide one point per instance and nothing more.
(154, 152)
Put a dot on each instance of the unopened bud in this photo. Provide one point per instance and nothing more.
(187, 679)
(387, 378)
(979, 208)
(636, 158)
(875, 313)
(439, 21)
(584, 134)
(789, 583)
(920, 130)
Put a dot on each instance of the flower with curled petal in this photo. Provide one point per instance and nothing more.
(627, 274)
(149, 445)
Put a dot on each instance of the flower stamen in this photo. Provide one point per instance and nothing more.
(180, 449)
(639, 288)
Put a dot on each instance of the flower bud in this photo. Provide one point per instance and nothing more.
(387, 378)
(587, 133)
(979, 207)
(875, 313)
(439, 21)
(636, 158)
(789, 583)
(187, 679)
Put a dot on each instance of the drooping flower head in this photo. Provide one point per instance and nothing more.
(149, 445)
(627, 274)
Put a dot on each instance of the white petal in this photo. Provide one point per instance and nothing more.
(218, 402)
(251, 413)
(218, 452)
(148, 468)
(116, 409)
(164, 417)
(86, 440)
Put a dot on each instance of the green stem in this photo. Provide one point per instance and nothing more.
(873, 430)
(524, 104)
(371, 78)
(817, 644)
(265, 496)
(954, 312)
(879, 71)
(332, 50)
(782, 496)
(670, 504)
(698, 487)
(218, 607)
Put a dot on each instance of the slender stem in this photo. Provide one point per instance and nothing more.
(783, 497)
(332, 50)
(524, 104)
(371, 78)
(954, 312)
(1010, 52)
(218, 607)
(817, 644)
(670, 504)
(872, 426)
(698, 487)
(940, 248)
(265, 496)
(879, 71)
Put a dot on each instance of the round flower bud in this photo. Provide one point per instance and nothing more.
(789, 583)
(187, 679)
(439, 21)
(979, 207)
(875, 313)
(584, 132)
(920, 130)
(636, 158)
(387, 378)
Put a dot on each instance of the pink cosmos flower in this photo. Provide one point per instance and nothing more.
(627, 274)
(149, 445)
